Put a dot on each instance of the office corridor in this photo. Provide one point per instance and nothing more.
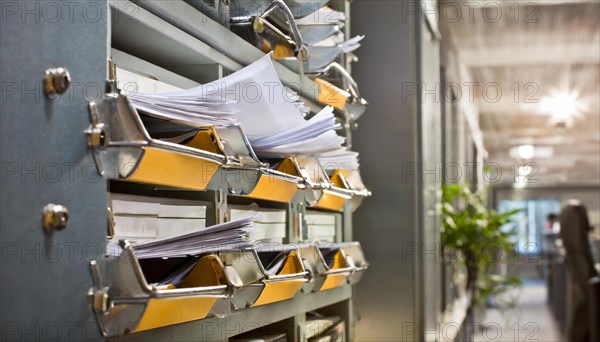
(532, 321)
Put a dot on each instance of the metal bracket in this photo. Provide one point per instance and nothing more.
(115, 137)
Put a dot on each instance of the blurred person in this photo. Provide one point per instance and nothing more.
(552, 225)
(574, 234)
(550, 233)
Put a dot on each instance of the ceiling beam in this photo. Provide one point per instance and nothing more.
(528, 55)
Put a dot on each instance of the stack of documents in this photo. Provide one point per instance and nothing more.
(269, 113)
(140, 218)
(339, 159)
(311, 136)
(270, 227)
(185, 107)
(228, 235)
(320, 226)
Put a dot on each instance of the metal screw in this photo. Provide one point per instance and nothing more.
(56, 217)
(56, 81)
(98, 135)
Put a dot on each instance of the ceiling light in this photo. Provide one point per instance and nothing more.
(528, 151)
(562, 106)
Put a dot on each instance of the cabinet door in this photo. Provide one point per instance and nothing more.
(45, 276)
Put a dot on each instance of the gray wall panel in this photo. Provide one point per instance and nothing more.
(45, 159)
(386, 139)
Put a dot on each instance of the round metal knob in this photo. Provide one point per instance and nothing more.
(56, 217)
(56, 81)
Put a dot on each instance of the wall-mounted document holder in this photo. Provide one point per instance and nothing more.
(242, 169)
(337, 195)
(339, 268)
(258, 31)
(332, 265)
(355, 259)
(306, 173)
(264, 277)
(124, 150)
(132, 295)
(315, 266)
(346, 187)
(127, 303)
(315, 180)
(354, 181)
(348, 99)
(301, 173)
(278, 185)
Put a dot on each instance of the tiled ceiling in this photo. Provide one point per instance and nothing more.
(550, 47)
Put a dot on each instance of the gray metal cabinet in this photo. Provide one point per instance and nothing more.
(44, 275)
(45, 159)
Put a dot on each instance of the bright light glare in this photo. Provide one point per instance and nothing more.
(562, 106)
(526, 151)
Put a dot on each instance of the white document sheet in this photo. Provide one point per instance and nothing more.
(232, 234)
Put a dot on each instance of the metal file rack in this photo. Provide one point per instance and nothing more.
(107, 151)
(174, 39)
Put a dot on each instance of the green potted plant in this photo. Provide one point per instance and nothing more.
(475, 231)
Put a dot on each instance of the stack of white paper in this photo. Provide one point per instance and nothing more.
(312, 136)
(228, 235)
(270, 227)
(268, 112)
(271, 115)
(185, 108)
(339, 159)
